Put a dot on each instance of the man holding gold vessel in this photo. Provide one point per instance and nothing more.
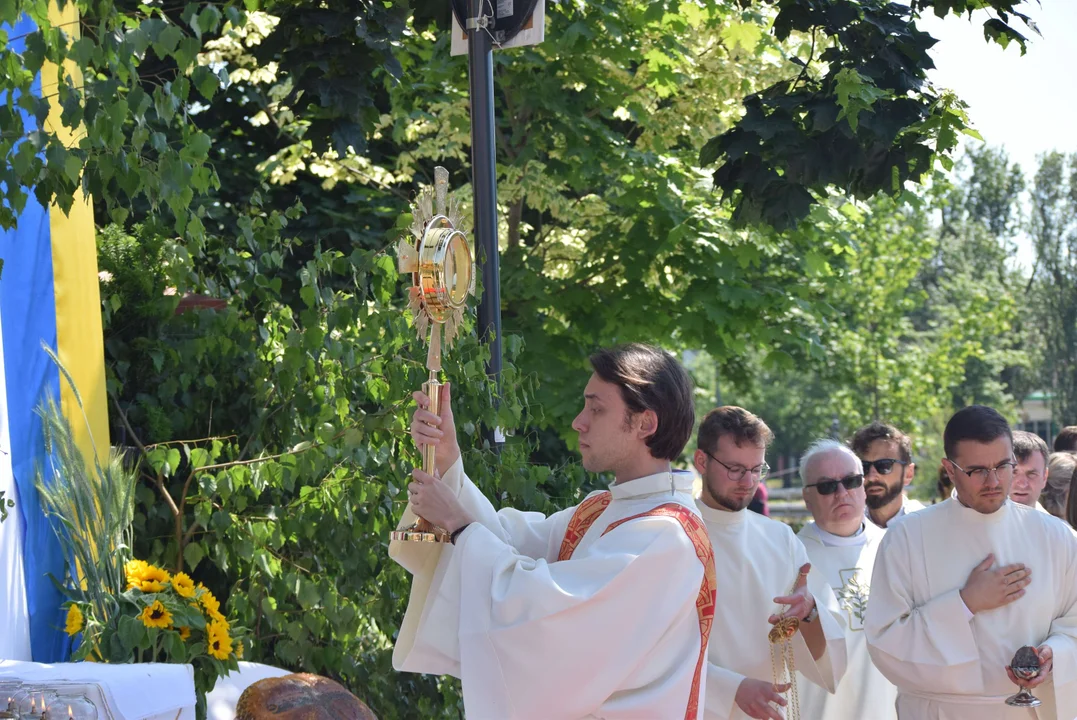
(601, 610)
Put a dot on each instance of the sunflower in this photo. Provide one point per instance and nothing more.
(211, 605)
(184, 632)
(135, 570)
(239, 651)
(75, 620)
(219, 644)
(156, 616)
(183, 585)
(153, 579)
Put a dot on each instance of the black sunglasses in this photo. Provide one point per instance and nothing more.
(883, 466)
(829, 487)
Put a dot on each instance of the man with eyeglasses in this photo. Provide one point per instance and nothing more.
(841, 544)
(764, 573)
(886, 454)
(960, 586)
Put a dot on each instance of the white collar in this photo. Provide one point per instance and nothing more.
(721, 517)
(975, 516)
(668, 481)
(860, 537)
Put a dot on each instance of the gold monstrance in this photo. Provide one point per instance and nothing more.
(439, 259)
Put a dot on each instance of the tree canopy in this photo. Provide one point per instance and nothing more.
(263, 156)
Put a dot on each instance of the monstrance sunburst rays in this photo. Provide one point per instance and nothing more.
(432, 253)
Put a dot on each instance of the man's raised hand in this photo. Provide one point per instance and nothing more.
(800, 601)
(988, 588)
(437, 430)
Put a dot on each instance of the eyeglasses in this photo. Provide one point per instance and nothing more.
(829, 486)
(1003, 471)
(737, 473)
(883, 466)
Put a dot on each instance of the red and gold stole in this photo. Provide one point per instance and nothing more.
(588, 511)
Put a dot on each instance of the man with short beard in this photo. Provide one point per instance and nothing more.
(764, 573)
(886, 454)
(959, 587)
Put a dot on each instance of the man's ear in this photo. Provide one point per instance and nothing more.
(699, 459)
(648, 423)
(910, 472)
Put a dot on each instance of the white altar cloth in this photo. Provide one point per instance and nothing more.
(144, 691)
(221, 701)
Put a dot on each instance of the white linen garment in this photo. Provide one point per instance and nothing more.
(757, 559)
(947, 663)
(846, 564)
(614, 632)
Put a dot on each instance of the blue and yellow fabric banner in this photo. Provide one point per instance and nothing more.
(49, 294)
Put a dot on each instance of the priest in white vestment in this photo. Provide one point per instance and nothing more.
(1030, 477)
(841, 544)
(598, 611)
(960, 586)
(886, 454)
(762, 568)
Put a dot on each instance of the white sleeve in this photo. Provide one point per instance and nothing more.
(512, 627)
(1063, 636)
(927, 645)
(722, 686)
(828, 670)
(529, 533)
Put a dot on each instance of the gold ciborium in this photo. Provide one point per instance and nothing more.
(438, 256)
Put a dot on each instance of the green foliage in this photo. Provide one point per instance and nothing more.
(860, 117)
(259, 358)
(303, 398)
(126, 94)
(922, 319)
(1054, 279)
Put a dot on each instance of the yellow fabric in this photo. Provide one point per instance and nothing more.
(79, 337)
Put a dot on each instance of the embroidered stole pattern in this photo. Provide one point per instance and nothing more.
(586, 514)
(589, 510)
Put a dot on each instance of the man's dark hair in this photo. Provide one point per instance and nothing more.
(652, 379)
(1026, 443)
(865, 436)
(740, 424)
(1071, 501)
(944, 486)
(978, 423)
(1066, 440)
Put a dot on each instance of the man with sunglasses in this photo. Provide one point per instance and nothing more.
(886, 453)
(764, 573)
(841, 545)
(960, 586)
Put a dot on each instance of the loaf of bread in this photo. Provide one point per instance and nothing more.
(300, 697)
